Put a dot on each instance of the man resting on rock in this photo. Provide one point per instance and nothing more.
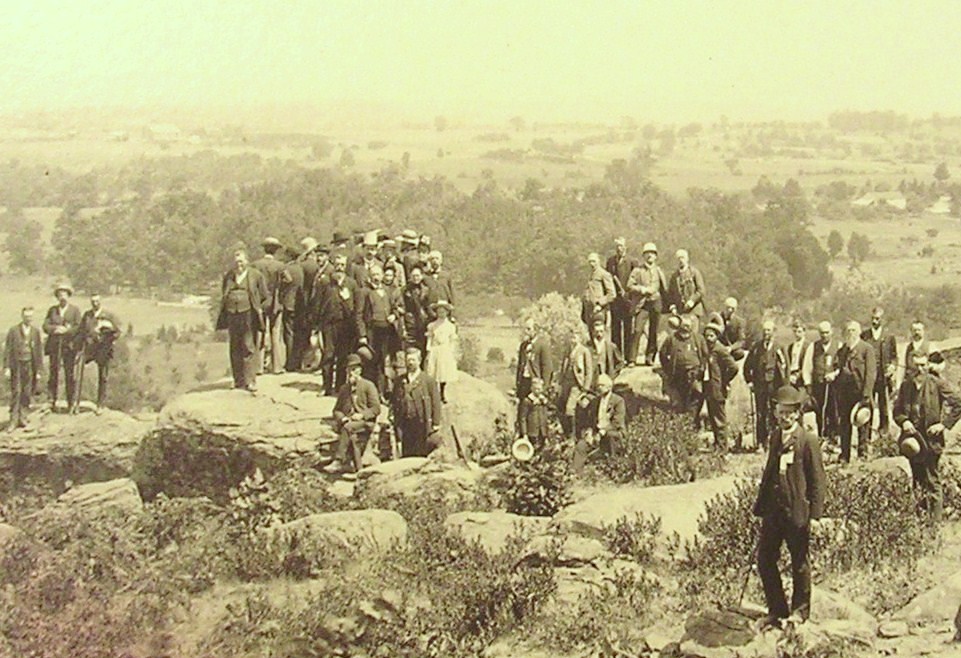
(790, 503)
(355, 414)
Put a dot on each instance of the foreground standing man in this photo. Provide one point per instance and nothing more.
(417, 409)
(790, 503)
(242, 315)
(99, 331)
(22, 362)
(920, 413)
(61, 326)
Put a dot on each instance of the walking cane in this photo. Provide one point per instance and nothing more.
(824, 408)
(757, 440)
(58, 361)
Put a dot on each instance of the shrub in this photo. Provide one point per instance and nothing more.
(661, 448)
(495, 355)
(560, 318)
(540, 487)
(468, 357)
(635, 538)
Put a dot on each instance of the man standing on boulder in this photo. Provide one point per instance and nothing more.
(61, 326)
(22, 362)
(273, 271)
(790, 502)
(620, 266)
(855, 372)
(417, 409)
(765, 370)
(533, 362)
(646, 291)
(99, 331)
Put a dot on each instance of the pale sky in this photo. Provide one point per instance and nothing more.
(546, 60)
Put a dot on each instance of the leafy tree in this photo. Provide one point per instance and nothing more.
(24, 247)
(835, 244)
(941, 173)
(859, 248)
(347, 158)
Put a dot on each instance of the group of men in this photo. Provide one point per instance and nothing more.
(365, 303)
(72, 339)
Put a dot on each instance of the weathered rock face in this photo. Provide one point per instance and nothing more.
(120, 494)
(421, 478)
(678, 506)
(641, 387)
(472, 407)
(935, 606)
(358, 532)
(209, 439)
(59, 448)
(493, 529)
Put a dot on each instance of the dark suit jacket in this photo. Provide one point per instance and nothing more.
(292, 287)
(256, 293)
(17, 349)
(331, 305)
(273, 271)
(310, 267)
(766, 367)
(417, 312)
(98, 343)
(616, 413)
(70, 318)
(541, 363)
(922, 401)
(364, 399)
(803, 482)
(885, 350)
(443, 286)
(612, 360)
(418, 406)
(370, 305)
(722, 369)
(620, 269)
(857, 369)
(357, 270)
(734, 335)
(694, 296)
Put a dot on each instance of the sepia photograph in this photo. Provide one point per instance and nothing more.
(480, 329)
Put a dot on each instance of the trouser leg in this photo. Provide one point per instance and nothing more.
(798, 541)
(818, 394)
(881, 393)
(17, 384)
(103, 373)
(717, 417)
(380, 345)
(328, 358)
(846, 402)
(762, 409)
(523, 390)
(768, 552)
(53, 382)
(69, 366)
(290, 349)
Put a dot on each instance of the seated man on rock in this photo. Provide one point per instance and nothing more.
(355, 415)
(607, 420)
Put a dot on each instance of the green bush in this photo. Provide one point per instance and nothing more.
(560, 318)
(468, 355)
(633, 538)
(661, 447)
(540, 487)
(495, 355)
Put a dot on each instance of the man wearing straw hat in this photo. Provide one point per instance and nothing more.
(61, 326)
(855, 372)
(646, 290)
(790, 503)
(920, 413)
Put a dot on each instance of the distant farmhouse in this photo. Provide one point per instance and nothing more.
(163, 133)
(894, 199)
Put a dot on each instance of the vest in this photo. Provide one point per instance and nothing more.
(237, 299)
(822, 361)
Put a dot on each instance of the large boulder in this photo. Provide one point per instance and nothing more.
(493, 529)
(207, 440)
(57, 450)
(120, 494)
(472, 407)
(935, 606)
(679, 507)
(421, 478)
(357, 532)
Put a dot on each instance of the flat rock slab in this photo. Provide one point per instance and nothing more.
(493, 529)
(420, 478)
(679, 507)
(58, 449)
(121, 494)
(935, 606)
(209, 439)
(359, 532)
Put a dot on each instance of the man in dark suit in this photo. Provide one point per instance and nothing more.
(720, 372)
(417, 409)
(686, 289)
(819, 360)
(534, 361)
(337, 305)
(273, 270)
(795, 355)
(417, 297)
(599, 292)
(683, 363)
(377, 312)
(765, 371)
(61, 326)
(646, 292)
(99, 330)
(790, 503)
(622, 319)
(735, 333)
(355, 416)
(22, 362)
(302, 322)
(605, 425)
(294, 307)
(242, 315)
(359, 268)
(855, 373)
(443, 284)
(927, 406)
(607, 358)
(886, 359)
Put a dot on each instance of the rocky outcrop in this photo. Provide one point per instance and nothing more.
(678, 506)
(473, 406)
(935, 606)
(493, 529)
(121, 495)
(423, 479)
(57, 450)
(207, 440)
(360, 532)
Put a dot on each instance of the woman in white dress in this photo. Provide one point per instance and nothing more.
(442, 348)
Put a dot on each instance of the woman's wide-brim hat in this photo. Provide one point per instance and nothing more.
(522, 450)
